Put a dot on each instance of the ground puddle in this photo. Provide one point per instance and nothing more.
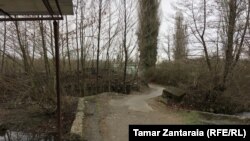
(20, 136)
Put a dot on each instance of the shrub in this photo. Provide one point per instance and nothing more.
(202, 86)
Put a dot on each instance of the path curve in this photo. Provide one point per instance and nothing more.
(107, 116)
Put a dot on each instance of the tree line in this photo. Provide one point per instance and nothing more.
(100, 34)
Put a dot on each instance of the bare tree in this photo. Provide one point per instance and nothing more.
(23, 49)
(235, 30)
(52, 42)
(67, 42)
(44, 47)
(62, 47)
(125, 46)
(109, 46)
(98, 44)
(200, 31)
(169, 48)
(4, 48)
(231, 23)
(34, 45)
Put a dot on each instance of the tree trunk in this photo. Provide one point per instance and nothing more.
(52, 42)
(34, 46)
(109, 45)
(125, 49)
(23, 50)
(98, 45)
(45, 55)
(77, 51)
(67, 41)
(4, 48)
(82, 41)
(61, 37)
(169, 51)
(230, 40)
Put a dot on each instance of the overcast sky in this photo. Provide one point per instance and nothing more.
(166, 14)
(167, 10)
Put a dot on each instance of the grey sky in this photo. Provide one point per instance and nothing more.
(166, 14)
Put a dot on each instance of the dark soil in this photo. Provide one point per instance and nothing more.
(27, 117)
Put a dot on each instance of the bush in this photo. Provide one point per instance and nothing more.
(202, 86)
(23, 89)
(177, 73)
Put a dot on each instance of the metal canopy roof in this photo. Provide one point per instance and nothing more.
(35, 7)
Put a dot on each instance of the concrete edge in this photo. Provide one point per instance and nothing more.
(77, 126)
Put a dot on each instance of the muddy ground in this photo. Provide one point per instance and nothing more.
(29, 118)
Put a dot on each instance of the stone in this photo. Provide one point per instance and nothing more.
(77, 126)
(173, 93)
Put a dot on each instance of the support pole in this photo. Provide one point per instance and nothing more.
(57, 57)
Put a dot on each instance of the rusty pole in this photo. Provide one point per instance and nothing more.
(57, 57)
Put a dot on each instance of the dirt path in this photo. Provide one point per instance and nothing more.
(108, 115)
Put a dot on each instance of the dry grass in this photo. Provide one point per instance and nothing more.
(200, 85)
